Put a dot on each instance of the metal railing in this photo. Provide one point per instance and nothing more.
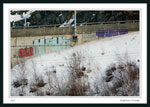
(77, 24)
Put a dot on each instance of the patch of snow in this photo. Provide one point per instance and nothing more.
(60, 14)
(15, 18)
(93, 14)
(65, 24)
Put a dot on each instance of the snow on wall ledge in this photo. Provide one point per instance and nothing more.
(98, 54)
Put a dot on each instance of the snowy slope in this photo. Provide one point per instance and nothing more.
(98, 54)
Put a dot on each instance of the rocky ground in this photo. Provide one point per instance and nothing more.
(60, 17)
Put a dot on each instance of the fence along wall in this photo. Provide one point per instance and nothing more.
(27, 43)
(41, 31)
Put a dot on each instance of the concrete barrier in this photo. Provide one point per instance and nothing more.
(41, 31)
(24, 38)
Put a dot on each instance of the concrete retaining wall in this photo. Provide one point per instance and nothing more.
(68, 30)
(54, 39)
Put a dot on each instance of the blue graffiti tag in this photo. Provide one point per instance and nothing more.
(112, 31)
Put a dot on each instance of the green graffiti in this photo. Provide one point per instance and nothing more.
(56, 43)
(38, 47)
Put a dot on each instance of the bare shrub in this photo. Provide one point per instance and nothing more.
(125, 79)
(51, 79)
(100, 86)
(18, 83)
(77, 89)
(35, 75)
(20, 72)
(78, 85)
(50, 86)
(37, 86)
(38, 82)
(56, 86)
(74, 65)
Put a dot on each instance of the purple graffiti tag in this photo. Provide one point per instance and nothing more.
(100, 32)
(111, 31)
(123, 30)
(107, 32)
(114, 31)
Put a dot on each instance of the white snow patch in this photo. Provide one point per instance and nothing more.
(17, 17)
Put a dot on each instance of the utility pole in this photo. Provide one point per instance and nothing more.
(75, 39)
(74, 22)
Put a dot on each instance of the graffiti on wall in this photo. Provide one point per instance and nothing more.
(112, 31)
(39, 45)
(58, 43)
(26, 52)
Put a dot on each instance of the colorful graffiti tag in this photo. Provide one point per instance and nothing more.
(56, 43)
(38, 46)
(113, 31)
(26, 52)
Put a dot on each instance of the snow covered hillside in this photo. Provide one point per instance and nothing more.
(91, 69)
